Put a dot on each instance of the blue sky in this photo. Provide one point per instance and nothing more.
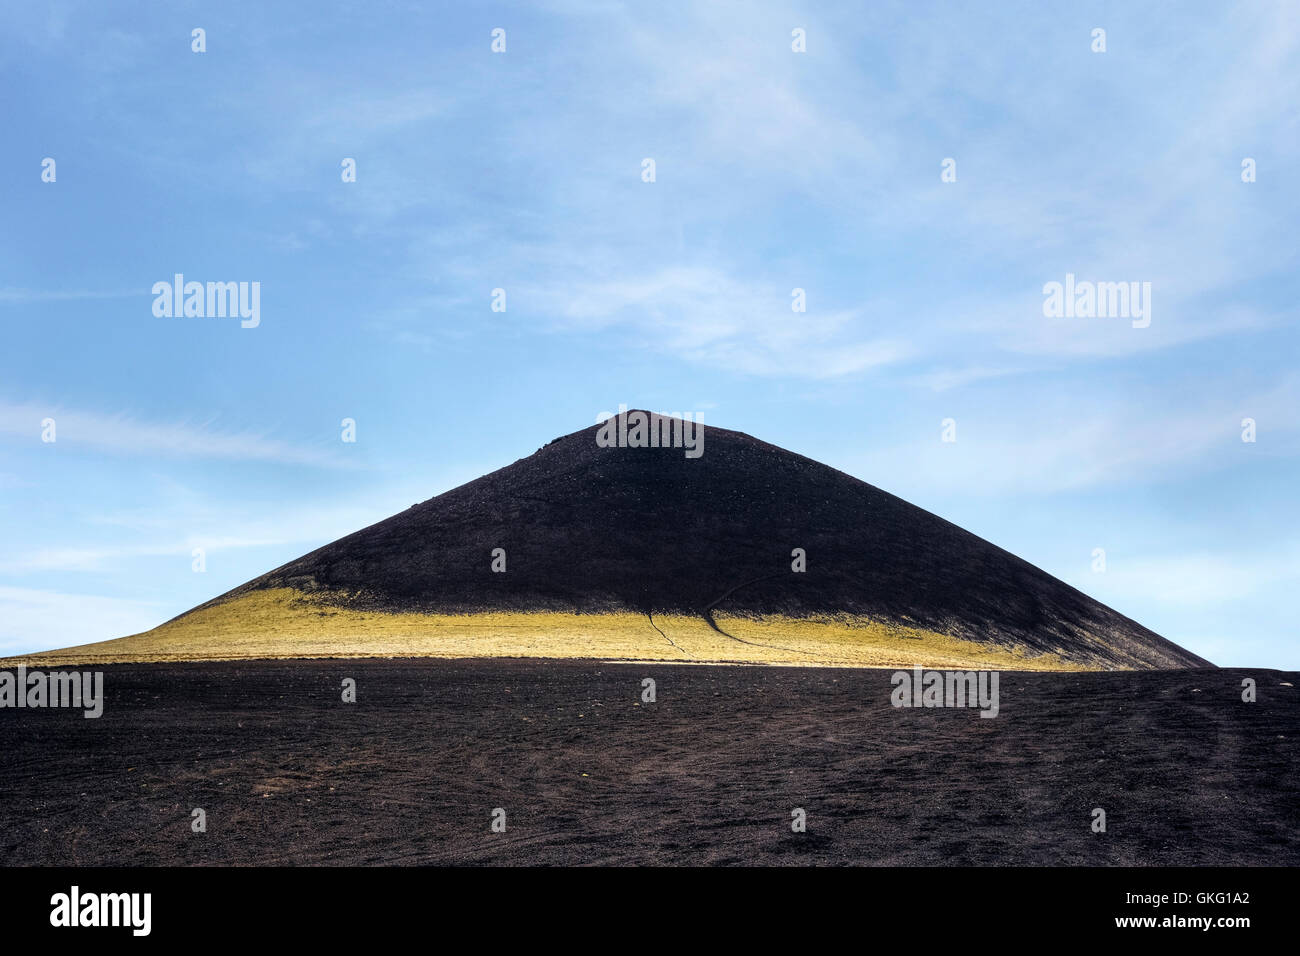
(775, 170)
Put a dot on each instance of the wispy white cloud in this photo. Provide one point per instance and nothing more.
(1203, 578)
(1061, 446)
(124, 435)
(705, 315)
(943, 379)
(100, 558)
(1016, 328)
(13, 295)
(181, 519)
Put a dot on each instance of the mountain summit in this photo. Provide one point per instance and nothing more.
(587, 548)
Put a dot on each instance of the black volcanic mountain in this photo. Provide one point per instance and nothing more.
(592, 529)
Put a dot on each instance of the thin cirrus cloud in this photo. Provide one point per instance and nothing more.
(704, 315)
(20, 296)
(97, 559)
(175, 523)
(121, 434)
(1053, 448)
(1204, 578)
(1016, 327)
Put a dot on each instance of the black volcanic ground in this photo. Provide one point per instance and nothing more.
(1186, 772)
(603, 529)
